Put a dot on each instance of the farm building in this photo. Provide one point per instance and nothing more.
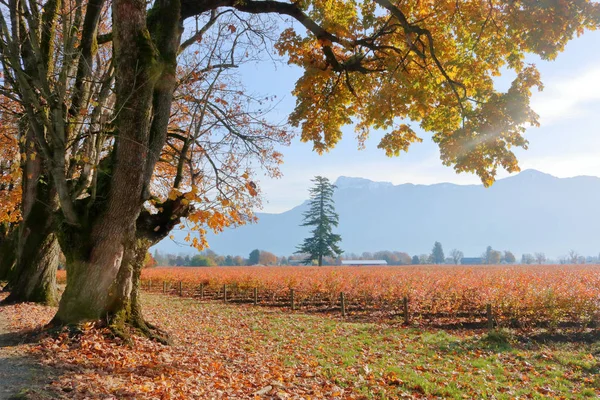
(363, 262)
(471, 261)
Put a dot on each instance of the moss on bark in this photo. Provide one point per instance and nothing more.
(36, 249)
(34, 279)
(121, 310)
(127, 308)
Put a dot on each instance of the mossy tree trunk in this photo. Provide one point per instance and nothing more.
(33, 276)
(126, 307)
(93, 262)
(8, 255)
(101, 251)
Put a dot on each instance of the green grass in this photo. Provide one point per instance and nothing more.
(379, 361)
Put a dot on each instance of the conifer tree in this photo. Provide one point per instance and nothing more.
(321, 214)
(437, 253)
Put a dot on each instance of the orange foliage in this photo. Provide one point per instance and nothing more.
(149, 261)
(524, 293)
(430, 62)
(10, 163)
(267, 258)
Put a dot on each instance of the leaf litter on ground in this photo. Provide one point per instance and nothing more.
(231, 351)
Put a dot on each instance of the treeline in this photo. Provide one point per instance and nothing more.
(209, 258)
(493, 257)
(490, 256)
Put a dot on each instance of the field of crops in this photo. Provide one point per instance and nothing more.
(547, 295)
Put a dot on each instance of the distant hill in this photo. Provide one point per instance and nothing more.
(528, 212)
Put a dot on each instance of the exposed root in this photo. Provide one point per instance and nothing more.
(154, 333)
(118, 327)
(124, 328)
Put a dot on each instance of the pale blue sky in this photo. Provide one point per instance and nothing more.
(565, 145)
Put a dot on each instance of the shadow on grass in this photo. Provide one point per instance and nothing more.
(588, 336)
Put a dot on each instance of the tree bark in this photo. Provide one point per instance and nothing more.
(33, 276)
(126, 314)
(126, 305)
(34, 279)
(91, 274)
(8, 256)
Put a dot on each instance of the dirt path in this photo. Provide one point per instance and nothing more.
(21, 376)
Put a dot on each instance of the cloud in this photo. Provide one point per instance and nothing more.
(568, 97)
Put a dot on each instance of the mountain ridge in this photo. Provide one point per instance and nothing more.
(529, 212)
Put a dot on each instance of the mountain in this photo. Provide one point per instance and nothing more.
(525, 213)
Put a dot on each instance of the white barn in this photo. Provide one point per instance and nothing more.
(364, 262)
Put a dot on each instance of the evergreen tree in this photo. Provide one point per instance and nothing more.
(415, 260)
(254, 257)
(321, 214)
(437, 253)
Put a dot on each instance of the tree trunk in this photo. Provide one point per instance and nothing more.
(34, 279)
(8, 256)
(101, 254)
(126, 306)
(91, 277)
(119, 305)
(126, 301)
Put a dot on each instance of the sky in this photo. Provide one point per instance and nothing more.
(565, 145)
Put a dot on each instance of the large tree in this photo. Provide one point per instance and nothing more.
(216, 137)
(322, 216)
(97, 100)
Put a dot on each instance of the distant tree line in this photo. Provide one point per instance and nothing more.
(490, 256)
(209, 258)
(494, 257)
